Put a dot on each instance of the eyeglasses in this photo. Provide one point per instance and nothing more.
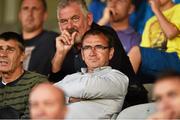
(74, 19)
(98, 48)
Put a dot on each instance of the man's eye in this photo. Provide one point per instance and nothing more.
(99, 47)
(86, 47)
(63, 21)
(11, 50)
(75, 18)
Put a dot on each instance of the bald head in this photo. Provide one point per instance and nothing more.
(47, 102)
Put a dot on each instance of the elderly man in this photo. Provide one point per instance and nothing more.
(167, 96)
(99, 88)
(74, 20)
(39, 43)
(51, 104)
(15, 83)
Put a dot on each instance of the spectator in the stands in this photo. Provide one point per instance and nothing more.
(15, 82)
(47, 102)
(160, 41)
(167, 96)
(116, 15)
(39, 43)
(98, 90)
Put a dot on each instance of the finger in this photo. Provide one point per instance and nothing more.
(73, 37)
(67, 36)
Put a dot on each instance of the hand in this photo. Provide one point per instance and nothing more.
(154, 5)
(73, 100)
(65, 41)
(106, 17)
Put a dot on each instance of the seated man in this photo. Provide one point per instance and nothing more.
(167, 96)
(160, 47)
(116, 14)
(47, 102)
(15, 82)
(100, 89)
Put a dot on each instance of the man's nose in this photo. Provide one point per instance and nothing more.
(3, 53)
(30, 12)
(93, 51)
(70, 24)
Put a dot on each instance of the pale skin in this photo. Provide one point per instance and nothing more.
(170, 30)
(65, 41)
(51, 104)
(167, 100)
(32, 16)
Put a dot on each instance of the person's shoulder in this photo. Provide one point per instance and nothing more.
(119, 74)
(48, 33)
(34, 76)
(177, 6)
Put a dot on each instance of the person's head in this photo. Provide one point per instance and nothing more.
(120, 9)
(74, 14)
(11, 52)
(32, 15)
(47, 102)
(167, 92)
(97, 48)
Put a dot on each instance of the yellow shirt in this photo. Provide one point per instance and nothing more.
(153, 36)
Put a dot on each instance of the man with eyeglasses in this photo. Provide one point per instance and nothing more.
(74, 20)
(98, 91)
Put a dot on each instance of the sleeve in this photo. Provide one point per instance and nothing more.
(111, 86)
(26, 112)
(145, 42)
(175, 18)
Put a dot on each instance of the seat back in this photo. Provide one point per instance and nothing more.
(138, 112)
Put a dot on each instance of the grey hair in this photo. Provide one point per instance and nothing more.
(64, 3)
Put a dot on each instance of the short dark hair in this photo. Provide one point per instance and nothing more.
(7, 36)
(43, 3)
(106, 31)
(169, 74)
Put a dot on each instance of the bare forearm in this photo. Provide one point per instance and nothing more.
(57, 62)
(105, 18)
(169, 29)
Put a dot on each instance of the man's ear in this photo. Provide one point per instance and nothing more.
(45, 16)
(111, 53)
(131, 9)
(89, 18)
(22, 57)
(82, 54)
(19, 15)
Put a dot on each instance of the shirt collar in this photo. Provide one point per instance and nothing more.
(13, 83)
(84, 70)
(129, 30)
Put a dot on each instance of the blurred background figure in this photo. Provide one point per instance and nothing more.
(39, 43)
(116, 15)
(167, 96)
(47, 102)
